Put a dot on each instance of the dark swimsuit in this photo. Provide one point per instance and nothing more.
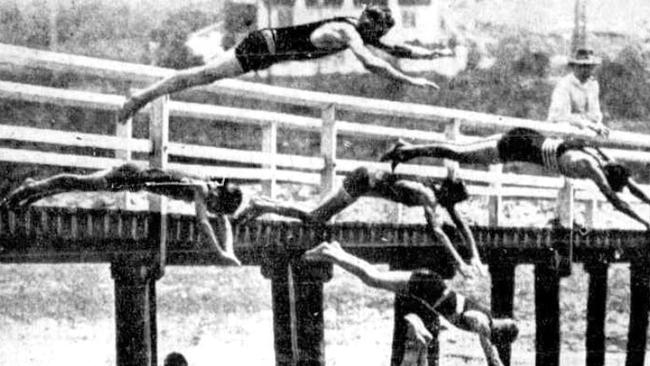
(265, 47)
(129, 177)
(428, 288)
(362, 180)
(526, 145)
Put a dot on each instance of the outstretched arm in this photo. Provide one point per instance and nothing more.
(637, 191)
(332, 252)
(437, 231)
(468, 238)
(378, 66)
(587, 169)
(225, 236)
(414, 52)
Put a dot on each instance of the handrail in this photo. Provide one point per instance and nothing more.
(269, 166)
(22, 56)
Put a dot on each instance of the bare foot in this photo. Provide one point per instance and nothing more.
(395, 154)
(229, 259)
(256, 207)
(324, 252)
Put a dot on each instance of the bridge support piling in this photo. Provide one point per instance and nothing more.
(503, 292)
(308, 279)
(639, 307)
(135, 313)
(596, 308)
(547, 315)
(282, 303)
(298, 316)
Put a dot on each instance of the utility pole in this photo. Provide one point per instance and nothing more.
(579, 39)
(54, 31)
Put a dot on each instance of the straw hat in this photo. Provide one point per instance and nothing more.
(584, 56)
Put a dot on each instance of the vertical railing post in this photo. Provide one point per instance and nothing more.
(159, 136)
(328, 148)
(565, 209)
(495, 201)
(270, 147)
(125, 130)
(452, 132)
(565, 216)
(590, 212)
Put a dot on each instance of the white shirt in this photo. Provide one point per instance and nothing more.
(572, 100)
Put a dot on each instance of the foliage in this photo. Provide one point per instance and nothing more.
(171, 37)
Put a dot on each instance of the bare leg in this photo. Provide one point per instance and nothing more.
(225, 238)
(583, 166)
(436, 230)
(258, 206)
(395, 281)
(468, 238)
(225, 66)
(31, 191)
(483, 152)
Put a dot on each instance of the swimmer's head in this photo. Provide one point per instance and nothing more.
(375, 21)
(224, 198)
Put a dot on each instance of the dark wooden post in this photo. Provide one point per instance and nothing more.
(596, 305)
(503, 291)
(639, 306)
(135, 316)
(307, 281)
(276, 267)
(547, 315)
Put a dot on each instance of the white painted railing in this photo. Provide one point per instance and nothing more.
(270, 166)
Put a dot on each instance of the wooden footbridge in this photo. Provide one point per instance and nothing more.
(139, 244)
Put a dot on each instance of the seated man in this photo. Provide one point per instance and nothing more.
(266, 47)
(573, 158)
(219, 197)
(416, 191)
(430, 290)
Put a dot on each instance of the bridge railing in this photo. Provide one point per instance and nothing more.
(271, 166)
